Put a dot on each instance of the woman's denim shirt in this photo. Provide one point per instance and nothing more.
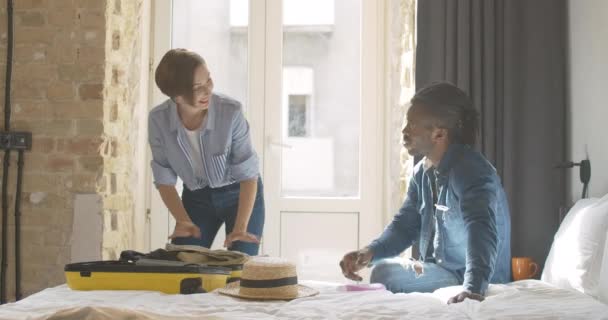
(470, 221)
(226, 150)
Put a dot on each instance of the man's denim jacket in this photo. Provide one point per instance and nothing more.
(471, 220)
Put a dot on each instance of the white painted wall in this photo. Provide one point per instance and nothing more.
(588, 121)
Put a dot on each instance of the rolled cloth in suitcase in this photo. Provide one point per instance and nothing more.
(197, 254)
(233, 260)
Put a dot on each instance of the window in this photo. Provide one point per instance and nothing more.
(298, 114)
(296, 13)
(298, 100)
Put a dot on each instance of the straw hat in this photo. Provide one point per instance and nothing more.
(268, 278)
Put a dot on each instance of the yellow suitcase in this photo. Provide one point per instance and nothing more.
(235, 272)
(120, 275)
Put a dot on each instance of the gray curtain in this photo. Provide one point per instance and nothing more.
(510, 56)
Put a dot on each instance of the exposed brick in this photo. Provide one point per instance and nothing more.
(60, 80)
(22, 125)
(30, 4)
(84, 182)
(57, 128)
(91, 91)
(117, 74)
(78, 110)
(56, 237)
(112, 183)
(30, 53)
(102, 182)
(119, 202)
(64, 257)
(31, 271)
(83, 146)
(81, 72)
(30, 288)
(92, 38)
(30, 110)
(63, 4)
(57, 163)
(89, 127)
(50, 201)
(114, 112)
(90, 18)
(90, 163)
(96, 4)
(23, 90)
(34, 35)
(42, 144)
(115, 40)
(34, 72)
(63, 54)
(44, 254)
(117, 7)
(34, 236)
(35, 163)
(114, 148)
(110, 254)
(63, 18)
(114, 221)
(30, 19)
(60, 218)
(41, 182)
(90, 54)
(58, 91)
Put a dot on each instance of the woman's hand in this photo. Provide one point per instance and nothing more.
(184, 229)
(240, 236)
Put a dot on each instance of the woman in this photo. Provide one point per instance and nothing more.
(203, 138)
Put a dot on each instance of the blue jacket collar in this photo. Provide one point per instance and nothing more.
(175, 121)
(451, 157)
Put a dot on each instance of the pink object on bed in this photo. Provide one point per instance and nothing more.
(362, 287)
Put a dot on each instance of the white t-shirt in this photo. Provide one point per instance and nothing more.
(194, 137)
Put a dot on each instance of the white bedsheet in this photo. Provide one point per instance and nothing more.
(529, 299)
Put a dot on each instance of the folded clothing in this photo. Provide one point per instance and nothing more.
(198, 254)
(158, 254)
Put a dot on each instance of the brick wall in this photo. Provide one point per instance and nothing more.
(122, 96)
(75, 87)
(400, 88)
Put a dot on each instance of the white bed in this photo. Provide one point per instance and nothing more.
(575, 281)
(530, 299)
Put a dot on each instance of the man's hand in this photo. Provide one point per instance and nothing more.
(465, 295)
(185, 229)
(354, 261)
(240, 236)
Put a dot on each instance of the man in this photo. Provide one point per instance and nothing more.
(456, 209)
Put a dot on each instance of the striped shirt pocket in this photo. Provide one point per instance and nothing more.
(218, 166)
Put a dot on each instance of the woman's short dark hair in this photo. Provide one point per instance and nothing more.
(452, 109)
(174, 75)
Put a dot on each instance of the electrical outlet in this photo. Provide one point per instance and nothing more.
(15, 140)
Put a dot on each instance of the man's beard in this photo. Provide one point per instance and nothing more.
(419, 149)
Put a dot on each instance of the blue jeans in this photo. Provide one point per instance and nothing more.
(210, 208)
(398, 275)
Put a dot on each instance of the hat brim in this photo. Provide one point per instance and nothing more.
(232, 289)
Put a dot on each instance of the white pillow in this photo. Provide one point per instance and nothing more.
(575, 258)
(604, 276)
